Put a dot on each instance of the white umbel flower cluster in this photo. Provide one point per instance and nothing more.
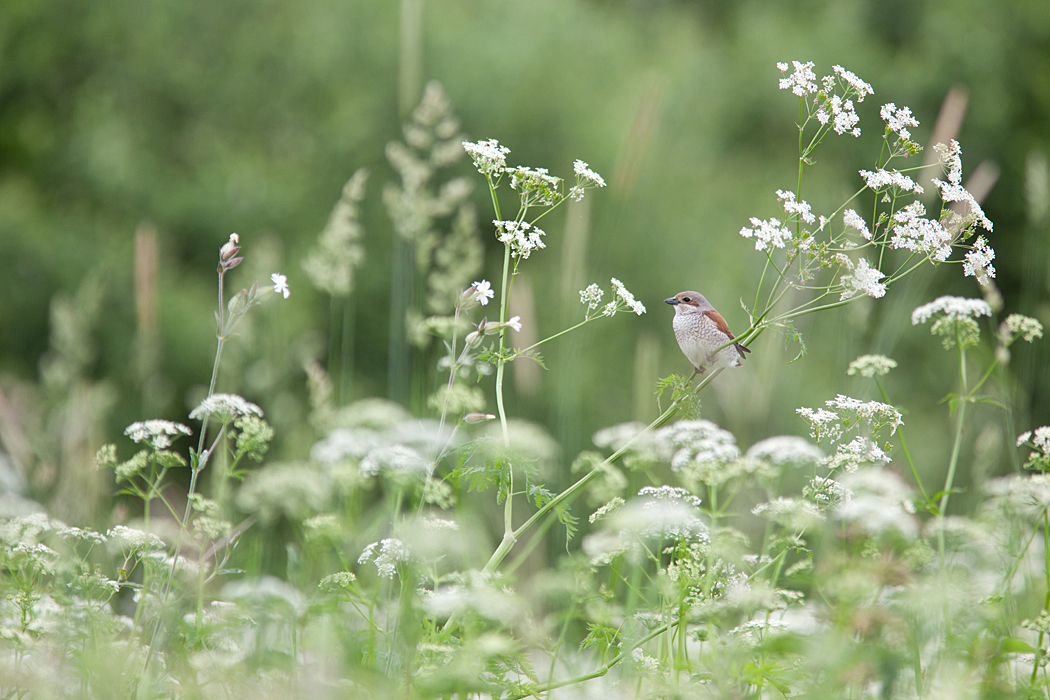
(159, 433)
(521, 236)
(489, 157)
(226, 407)
(770, 233)
(951, 307)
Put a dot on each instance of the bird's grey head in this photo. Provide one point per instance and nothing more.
(689, 303)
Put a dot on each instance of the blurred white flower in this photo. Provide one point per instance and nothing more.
(280, 284)
(951, 307)
(159, 433)
(483, 292)
(225, 407)
(385, 554)
(871, 365)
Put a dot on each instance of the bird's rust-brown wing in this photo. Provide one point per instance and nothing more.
(720, 324)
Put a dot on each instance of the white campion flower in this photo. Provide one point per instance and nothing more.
(514, 323)
(521, 236)
(871, 366)
(951, 307)
(159, 433)
(768, 233)
(863, 279)
(854, 221)
(483, 292)
(879, 179)
(627, 298)
(913, 232)
(226, 407)
(898, 120)
(591, 296)
(802, 81)
(978, 261)
(385, 554)
(800, 208)
(489, 157)
(280, 284)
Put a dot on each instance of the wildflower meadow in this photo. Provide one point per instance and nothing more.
(456, 551)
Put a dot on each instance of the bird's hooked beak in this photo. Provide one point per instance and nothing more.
(672, 301)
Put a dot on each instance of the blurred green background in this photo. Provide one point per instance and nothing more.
(184, 120)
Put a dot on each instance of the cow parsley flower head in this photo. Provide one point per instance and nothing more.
(626, 297)
(881, 179)
(159, 433)
(911, 231)
(854, 221)
(801, 208)
(698, 442)
(863, 279)
(535, 185)
(953, 190)
(385, 554)
(898, 120)
(978, 261)
(225, 407)
(586, 176)
(489, 157)
(591, 296)
(767, 234)
(871, 366)
(1019, 325)
(785, 450)
(955, 322)
(802, 81)
(951, 307)
(858, 86)
(521, 236)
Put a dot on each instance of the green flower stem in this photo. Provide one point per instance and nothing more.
(568, 494)
(559, 333)
(904, 446)
(604, 668)
(954, 462)
(1046, 604)
(508, 506)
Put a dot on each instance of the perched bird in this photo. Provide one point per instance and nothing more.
(700, 330)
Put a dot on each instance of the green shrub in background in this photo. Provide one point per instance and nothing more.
(686, 565)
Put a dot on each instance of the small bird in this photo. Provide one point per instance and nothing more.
(700, 330)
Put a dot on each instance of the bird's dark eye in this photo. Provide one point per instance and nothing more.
(686, 299)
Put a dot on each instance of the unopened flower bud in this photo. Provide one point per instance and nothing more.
(239, 302)
(472, 418)
(230, 248)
